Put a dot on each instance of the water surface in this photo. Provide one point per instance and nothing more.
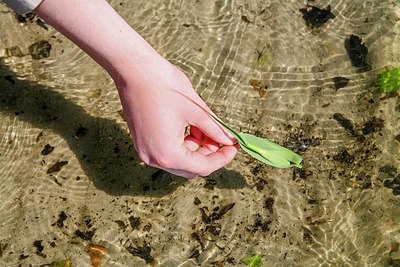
(70, 178)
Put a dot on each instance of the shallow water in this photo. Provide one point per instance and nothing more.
(335, 212)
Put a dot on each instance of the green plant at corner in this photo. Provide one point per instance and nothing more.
(253, 261)
(389, 80)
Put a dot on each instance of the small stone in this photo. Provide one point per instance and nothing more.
(40, 49)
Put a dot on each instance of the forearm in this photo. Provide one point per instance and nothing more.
(98, 30)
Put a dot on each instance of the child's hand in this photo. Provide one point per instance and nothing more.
(157, 116)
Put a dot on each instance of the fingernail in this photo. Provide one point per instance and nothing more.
(230, 136)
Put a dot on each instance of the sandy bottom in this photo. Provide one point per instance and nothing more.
(300, 73)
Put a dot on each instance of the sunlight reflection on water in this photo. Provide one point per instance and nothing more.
(334, 212)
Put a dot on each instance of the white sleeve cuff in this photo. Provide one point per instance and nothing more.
(22, 6)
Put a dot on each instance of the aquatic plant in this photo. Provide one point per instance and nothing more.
(253, 261)
(389, 80)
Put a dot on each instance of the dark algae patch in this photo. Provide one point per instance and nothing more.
(57, 166)
(344, 157)
(211, 227)
(340, 82)
(85, 235)
(345, 123)
(393, 184)
(316, 17)
(135, 222)
(357, 52)
(301, 144)
(61, 218)
(373, 125)
(39, 248)
(142, 252)
(38, 245)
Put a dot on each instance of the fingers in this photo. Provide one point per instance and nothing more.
(197, 141)
(197, 163)
(202, 162)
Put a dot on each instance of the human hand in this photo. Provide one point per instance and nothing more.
(157, 113)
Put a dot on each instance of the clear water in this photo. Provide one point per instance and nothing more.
(337, 212)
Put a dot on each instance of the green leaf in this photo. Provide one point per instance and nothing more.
(264, 150)
(270, 153)
(254, 261)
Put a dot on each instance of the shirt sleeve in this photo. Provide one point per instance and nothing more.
(22, 6)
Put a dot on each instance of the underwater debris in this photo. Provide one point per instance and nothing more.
(357, 52)
(121, 224)
(47, 149)
(259, 86)
(344, 157)
(210, 183)
(340, 82)
(245, 19)
(260, 224)
(196, 201)
(59, 263)
(28, 17)
(57, 166)
(38, 245)
(389, 80)
(85, 235)
(260, 184)
(316, 17)
(40, 49)
(269, 204)
(135, 222)
(262, 59)
(142, 252)
(2, 249)
(393, 184)
(61, 218)
(302, 144)
(345, 123)
(373, 125)
(39, 248)
(96, 254)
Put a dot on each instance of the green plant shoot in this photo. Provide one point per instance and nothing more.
(389, 80)
(257, 147)
(253, 261)
(264, 150)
